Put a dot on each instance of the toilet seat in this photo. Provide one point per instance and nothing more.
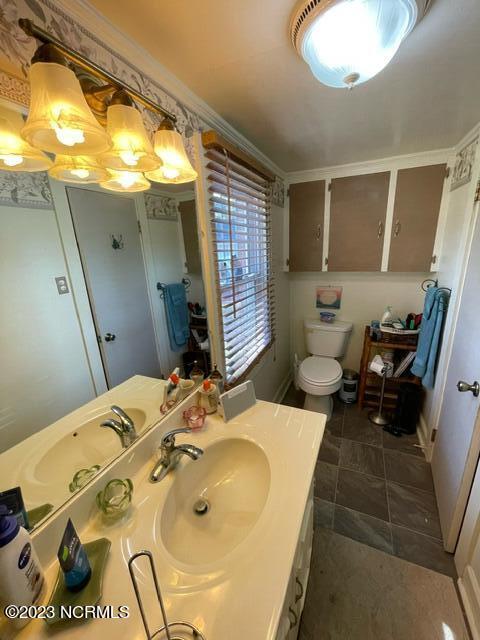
(320, 371)
(319, 375)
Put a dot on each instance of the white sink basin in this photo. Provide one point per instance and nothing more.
(89, 444)
(229, 486)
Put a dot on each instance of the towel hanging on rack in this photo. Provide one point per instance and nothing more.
(178, 319)
(436, 303)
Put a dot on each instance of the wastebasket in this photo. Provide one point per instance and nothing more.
(349, 389)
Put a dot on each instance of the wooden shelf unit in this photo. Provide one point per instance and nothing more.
(370, 383)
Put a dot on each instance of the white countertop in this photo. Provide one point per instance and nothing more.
(239, 596)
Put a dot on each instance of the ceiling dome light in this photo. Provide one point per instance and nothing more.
(176, 167)
(347, 42)
(79, 169)
(132, 149)
(60, 120)
(126, 181)
(15, 153)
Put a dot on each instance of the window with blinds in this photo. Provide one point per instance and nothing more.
(241, 232)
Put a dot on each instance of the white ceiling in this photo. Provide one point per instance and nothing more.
(237, 56)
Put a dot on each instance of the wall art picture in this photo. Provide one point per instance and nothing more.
(329, 297)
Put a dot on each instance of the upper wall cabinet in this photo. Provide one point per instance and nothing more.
(188, 217)
(358, 209)
(415, 217)
(307, 215)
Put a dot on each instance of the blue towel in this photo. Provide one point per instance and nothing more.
(177, 315)
(430, 331)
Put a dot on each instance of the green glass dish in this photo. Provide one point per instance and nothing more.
(115, 498)
(97, 553)
(81, 477)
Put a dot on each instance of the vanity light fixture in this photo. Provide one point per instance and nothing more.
(347, 42)
(131, 148)
(15, 153)
(126, 181)
(176, 167)
(80, 169)
(59, 119)
(67, 117)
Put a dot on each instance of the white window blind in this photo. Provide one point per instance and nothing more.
(240, 221)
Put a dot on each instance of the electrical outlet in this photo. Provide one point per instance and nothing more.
(62, 285)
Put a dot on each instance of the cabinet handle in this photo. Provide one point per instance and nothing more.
(319, 232)
(300, 595)
(380, 229)
(295, 618)
(398, 228)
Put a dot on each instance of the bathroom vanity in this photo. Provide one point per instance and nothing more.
(237, 570)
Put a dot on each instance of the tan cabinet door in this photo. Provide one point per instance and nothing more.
(307, 213)
(358, 209)
(188, 216)
(415, 216)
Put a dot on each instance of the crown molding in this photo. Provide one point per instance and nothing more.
(82, 12)
(438, 156)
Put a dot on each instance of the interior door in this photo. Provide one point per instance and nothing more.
(458, 441)
(107, 234)
(307, 211)
(358, 208)
(415, 216)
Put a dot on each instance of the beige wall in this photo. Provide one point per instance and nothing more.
(168, 265)
(272, 373)
(45, 372)
(365, 296)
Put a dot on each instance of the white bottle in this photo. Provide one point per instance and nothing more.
(387, 315)
(21, 577)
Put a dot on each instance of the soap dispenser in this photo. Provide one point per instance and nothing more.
(21, 577)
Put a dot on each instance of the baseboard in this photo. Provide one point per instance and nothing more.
(282, 389)
(423, 438)
(470, 594)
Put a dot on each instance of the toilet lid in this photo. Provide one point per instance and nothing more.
(318, 370)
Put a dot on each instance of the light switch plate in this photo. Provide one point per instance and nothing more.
(62, 285)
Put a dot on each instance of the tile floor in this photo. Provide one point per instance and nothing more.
(377, 489)
(359, 593)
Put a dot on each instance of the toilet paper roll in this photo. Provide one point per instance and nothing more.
(377, 365)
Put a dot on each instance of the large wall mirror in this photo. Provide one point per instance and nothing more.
(84, 281)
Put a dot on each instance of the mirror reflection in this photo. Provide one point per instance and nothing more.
(102, 299)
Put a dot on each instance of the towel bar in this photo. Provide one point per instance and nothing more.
(161, 286)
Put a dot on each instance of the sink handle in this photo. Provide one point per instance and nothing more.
(168, 438)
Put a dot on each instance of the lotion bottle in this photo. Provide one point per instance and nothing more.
(21, 577)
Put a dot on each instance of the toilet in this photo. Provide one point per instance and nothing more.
(320, 375)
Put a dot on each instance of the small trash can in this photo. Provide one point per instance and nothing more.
(349, 389)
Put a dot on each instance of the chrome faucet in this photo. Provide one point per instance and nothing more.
(124, 427)
(170, 454)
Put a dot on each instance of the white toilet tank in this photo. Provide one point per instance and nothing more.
(325, 339)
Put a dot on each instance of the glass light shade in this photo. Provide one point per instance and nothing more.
(15, 153)
(60, 120)
(81, 169)
(353, 40)
(176, 167)
(131, 148)
(126, 181)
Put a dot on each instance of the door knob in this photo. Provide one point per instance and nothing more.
(464, 386)
(109, 337)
